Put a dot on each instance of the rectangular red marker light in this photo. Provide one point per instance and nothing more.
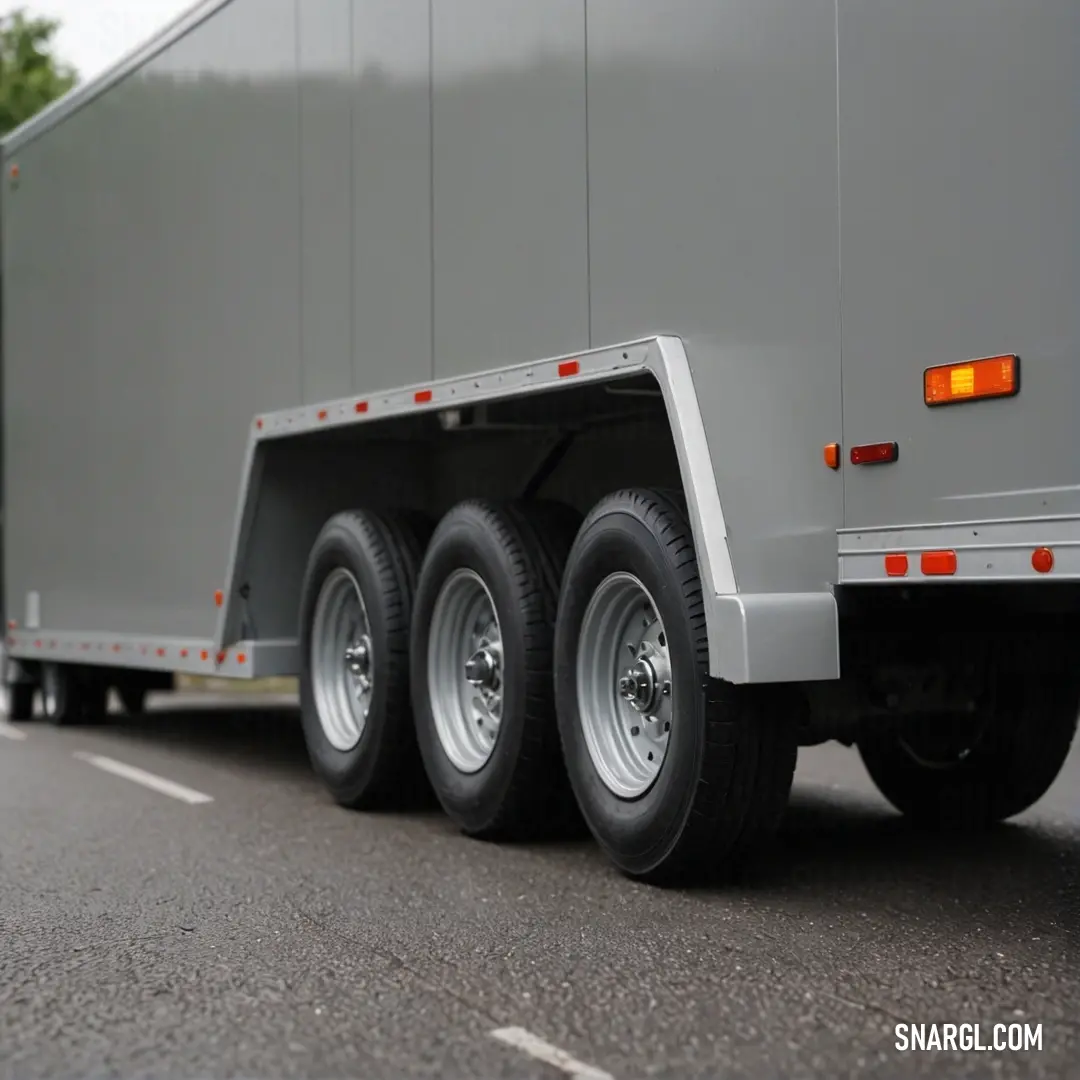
(569, 367)
(875, 453)
(896, 565)
(938, 563)
(422, 396)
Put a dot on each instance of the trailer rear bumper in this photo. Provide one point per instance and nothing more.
(1024, 550)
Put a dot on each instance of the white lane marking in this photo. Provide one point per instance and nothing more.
(9, 731)
(534, 1046)
(147, 779)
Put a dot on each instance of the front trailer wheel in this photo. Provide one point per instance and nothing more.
(679, 776)
(354, 685)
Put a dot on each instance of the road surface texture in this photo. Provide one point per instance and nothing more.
(231, 922)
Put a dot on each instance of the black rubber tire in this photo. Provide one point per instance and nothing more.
(1024, 742)
(723, 788)
(93, 698)
(20, 702)
(133, 698)
(383, 551)
(79, 695)
(519, 549)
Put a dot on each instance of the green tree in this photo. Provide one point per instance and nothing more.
(31, 76)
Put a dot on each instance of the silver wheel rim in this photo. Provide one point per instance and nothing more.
(341, 660)
(465, 671)
(625, 697)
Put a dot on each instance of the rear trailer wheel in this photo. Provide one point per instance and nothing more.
(969, 772)
(481, 667)
(354, 686)
(678, 776)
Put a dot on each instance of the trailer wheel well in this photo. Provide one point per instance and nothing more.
(570, 444)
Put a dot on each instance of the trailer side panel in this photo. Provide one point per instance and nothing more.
(960, 158)
(713, 215)
(152, 275)
(511, 227)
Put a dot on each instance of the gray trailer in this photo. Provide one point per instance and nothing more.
(591, 401)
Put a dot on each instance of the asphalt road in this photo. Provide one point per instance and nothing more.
(268, 933)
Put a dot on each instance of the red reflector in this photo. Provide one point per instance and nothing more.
(938, 563)
(323, 414)
(161, 652)
(569, 367)
(875, 453)
(422, 396)
(221, 658)
(259, 424)
(896, 565)
(1042, 560)
(183, 652)
(360, 406)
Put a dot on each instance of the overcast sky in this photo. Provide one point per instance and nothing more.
(94, 33)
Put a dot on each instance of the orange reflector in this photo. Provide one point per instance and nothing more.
(832, 455)
(569, 367)
(205, 654)
(219, 598)
(361, 406)
(875, 453)
(241, 658)
(14, 172)
(995, 376)
(1042, 560)
(938, 563)
(116, 648)
(422, 396)
(896, 565)
(323, 414)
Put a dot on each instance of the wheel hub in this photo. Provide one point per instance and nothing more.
(343, 660)
(465, 673)
(482, 668)
(358, 660)
(638, 686)
(626, 711)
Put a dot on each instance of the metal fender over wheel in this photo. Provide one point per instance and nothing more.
(482, 635)
(72, 695)
(678, 776)
(969, 772)
(355, 608)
